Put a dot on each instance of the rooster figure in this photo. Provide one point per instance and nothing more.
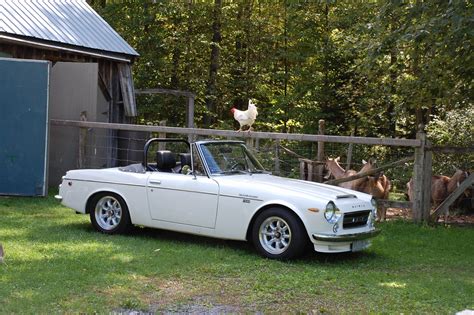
(245, 117)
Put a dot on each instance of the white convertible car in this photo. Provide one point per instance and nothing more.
(218, 189)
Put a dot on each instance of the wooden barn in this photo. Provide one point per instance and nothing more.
(58, 60)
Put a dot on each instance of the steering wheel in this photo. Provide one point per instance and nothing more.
(237, 166)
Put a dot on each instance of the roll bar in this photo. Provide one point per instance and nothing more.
(149, 142)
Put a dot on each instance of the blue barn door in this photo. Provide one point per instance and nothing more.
(24, 92)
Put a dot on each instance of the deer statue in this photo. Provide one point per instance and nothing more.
(377, 186)
(441, 186)
(336, 170)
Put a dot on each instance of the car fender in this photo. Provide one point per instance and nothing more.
(137, 203)
(105, 190)
(78, 193)
(276, 203)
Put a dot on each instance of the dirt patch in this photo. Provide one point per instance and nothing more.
(398, 213)
(454, 218)
(202, 305)
(189, 297)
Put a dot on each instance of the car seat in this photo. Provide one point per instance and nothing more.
(165, 161)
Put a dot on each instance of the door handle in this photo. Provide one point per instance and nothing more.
(155, 182)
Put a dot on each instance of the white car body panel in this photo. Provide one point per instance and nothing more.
(263, 190)
(220, 206)
(177, 198)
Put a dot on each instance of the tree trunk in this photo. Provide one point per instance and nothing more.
(326, 56)
(211, 90)
(174, 71)
(188, 47)
(287, 110)
(238, 71)
(391, 119)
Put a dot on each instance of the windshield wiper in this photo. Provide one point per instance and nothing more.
(260, 172)
(234, 172)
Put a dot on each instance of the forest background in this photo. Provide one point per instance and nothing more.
(377, 68)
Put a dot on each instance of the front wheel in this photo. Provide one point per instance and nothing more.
(109, 213)
(278, 234)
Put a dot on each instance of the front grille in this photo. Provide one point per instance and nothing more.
(355, 219)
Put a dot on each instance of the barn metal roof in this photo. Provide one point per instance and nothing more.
(70, 22)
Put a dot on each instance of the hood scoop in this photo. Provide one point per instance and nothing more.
(345, 196)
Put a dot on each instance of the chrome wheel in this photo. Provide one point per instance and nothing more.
(274, 235)
(108, 213)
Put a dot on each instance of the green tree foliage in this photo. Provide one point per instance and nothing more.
(376, 68)
(419, 61)
(456, 128)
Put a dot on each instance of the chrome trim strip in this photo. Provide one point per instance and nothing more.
(102, 182)
(183, 190)
(240, 197)
(203, 160)
(346, 237)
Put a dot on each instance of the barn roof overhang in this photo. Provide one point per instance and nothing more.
(62, 25)
(62, 47)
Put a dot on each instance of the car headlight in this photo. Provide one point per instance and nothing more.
(374, 203)
(374, 207)
(332, 213)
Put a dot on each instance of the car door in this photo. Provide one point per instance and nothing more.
(183, 199)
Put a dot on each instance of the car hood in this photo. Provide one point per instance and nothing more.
(256, 184)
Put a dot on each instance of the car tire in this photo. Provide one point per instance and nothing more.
(109, 213)
(278, 234)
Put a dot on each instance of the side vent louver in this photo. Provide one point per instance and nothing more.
(345, 196)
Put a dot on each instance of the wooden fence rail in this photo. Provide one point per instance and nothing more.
(254, 134)
(371, 172)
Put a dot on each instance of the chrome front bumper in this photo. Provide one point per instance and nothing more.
(58, 197)
(346, 237)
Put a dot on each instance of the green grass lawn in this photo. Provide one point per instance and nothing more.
(55, 262)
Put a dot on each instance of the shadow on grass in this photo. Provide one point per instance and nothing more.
(338, 258)
(243, 247)
(171, 237)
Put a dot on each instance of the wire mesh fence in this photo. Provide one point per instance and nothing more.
(109, 148)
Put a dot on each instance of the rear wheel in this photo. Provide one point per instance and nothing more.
(277, 233)
(109, 213)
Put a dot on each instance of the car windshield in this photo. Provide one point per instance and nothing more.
(225, 158)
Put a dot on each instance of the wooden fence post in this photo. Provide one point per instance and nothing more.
(349, 153)
(302, 169)
(249, 143)
(277, 157)
(309, 164)
(81, 162)
(422, 179)
(162, 145)
(427, 176)
(320, 156)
